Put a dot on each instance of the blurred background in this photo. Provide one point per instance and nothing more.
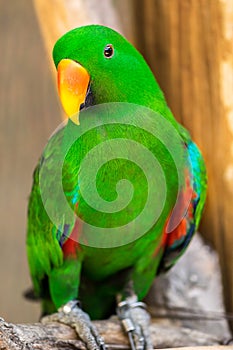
(189, 46)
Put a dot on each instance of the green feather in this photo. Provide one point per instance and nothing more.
(95, 274)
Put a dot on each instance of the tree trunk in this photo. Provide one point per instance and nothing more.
(69, 14)
(189, 45)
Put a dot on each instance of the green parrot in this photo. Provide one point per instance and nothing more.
(82, 250)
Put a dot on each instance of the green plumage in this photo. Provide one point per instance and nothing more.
(61, 270)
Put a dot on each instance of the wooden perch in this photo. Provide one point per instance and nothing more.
(59, 337)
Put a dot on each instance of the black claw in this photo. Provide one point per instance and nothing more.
(103, 346)
(101, 343)
(133, 329)
(131, 340)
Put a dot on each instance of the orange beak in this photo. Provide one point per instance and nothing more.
(73, 81)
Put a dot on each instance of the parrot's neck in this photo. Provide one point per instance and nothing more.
(142, 89)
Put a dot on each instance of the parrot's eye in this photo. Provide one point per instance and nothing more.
(108, 51)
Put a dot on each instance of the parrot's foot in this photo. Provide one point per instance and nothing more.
(135, 321)
(71, 315)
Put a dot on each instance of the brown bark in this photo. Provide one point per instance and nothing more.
(189, 47)
(57, 336)
(69, 14)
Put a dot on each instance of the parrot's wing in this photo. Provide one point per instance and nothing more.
(46, 242)
(43, 248)
(176, 241)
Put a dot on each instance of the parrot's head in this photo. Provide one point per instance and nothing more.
(97, 65)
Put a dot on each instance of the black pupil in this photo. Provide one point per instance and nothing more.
(108, 51)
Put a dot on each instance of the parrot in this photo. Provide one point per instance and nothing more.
(109, 93)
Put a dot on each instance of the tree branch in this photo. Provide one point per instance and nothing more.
(59, 337)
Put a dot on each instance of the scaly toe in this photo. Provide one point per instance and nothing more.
(71, 315)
